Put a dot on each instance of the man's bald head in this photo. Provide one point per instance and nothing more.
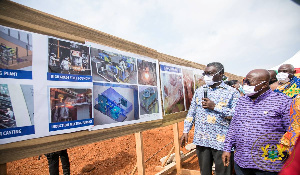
(287, 68)
(259, 75)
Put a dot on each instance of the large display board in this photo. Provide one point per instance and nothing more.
(52, 86)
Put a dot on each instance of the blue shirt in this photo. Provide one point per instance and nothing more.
(256, 129)
(211, 125)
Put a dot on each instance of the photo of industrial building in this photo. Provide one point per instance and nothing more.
(15, 49)
(111, 67)
(115, 103)
(69, 104)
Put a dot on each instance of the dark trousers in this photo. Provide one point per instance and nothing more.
(249, 171)
(206, 156)
(53, 162)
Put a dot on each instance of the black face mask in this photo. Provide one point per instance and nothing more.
(273, 81)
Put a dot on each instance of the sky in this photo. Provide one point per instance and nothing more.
(242, 35)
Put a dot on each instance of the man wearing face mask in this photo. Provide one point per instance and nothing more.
(289, 84)
(261, 118)
(211, 109)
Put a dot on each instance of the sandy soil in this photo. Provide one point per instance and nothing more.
(115, 156)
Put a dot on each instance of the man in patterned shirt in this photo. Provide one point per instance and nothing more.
(211, 109)
(289, 84)
(261, 118)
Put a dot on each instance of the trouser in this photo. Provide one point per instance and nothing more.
(53, 162)
(206, 157)
(249, 171)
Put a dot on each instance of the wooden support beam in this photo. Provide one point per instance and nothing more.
(177, 147)
(140, 153)
(3, 169)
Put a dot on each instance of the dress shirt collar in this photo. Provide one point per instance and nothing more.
(222, 85)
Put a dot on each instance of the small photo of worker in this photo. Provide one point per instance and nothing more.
(68, 58)
(69, 104)
(16, 108)
(147, 72)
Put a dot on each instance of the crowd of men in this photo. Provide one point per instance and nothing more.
(251, 127)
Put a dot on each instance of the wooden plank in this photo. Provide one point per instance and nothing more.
(170, 152)
(189, 172)
(140, 153)
(168, 169)
(172, 166)
(188, 155)
(3, 169)
(177, 147)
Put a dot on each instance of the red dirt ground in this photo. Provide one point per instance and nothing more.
(115, 156)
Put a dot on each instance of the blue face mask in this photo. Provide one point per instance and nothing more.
(241, 89)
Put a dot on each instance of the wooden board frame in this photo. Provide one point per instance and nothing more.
(21, 17)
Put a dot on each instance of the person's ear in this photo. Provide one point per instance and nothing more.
(266, 84)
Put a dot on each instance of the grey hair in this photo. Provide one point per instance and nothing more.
(219, 66)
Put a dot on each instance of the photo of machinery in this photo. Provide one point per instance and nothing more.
(68, 58)
(7, 117)
(112, 67)
(148, 100)
(172, 93)
(69, 104)
(115, 104)
(16, 109)
(188, 82)
(147, 73)
(15, 49)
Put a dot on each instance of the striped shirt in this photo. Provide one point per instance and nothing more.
(256, 129)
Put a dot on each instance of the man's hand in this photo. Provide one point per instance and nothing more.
(184, 139)
(208, 104)
(226, 158)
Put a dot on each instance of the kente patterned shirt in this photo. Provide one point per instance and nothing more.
(211, 126)
(290, 137)
(256, 129)
(291, 88)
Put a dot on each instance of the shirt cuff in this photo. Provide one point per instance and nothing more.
(227, 148)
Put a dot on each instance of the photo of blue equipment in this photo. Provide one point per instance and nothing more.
(114, 105)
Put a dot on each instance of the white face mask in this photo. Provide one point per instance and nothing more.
(209, 79)
(282, 77)
(249, 90)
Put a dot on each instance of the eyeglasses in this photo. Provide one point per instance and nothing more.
(211, 74)
(247, 82)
